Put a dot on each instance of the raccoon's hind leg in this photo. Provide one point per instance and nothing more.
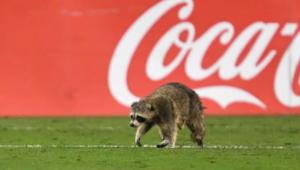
(144, 128)
(196, 127)
(168, 135)
(179, 122)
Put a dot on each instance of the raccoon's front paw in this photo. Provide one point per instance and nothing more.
(138, 142)
(200, 143)
(163, 144)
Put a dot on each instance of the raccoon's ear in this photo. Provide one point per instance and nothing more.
(149, 107)
(134, 104)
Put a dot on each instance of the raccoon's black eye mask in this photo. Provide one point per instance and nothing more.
(131, 117)
(140, 119)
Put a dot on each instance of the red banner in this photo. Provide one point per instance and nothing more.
(91, 57)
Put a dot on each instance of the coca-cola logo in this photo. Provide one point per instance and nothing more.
(194, 49)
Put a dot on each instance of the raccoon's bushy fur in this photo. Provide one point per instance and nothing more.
(169, 107)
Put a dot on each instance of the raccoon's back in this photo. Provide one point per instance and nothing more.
(172, 91)
(180, 94)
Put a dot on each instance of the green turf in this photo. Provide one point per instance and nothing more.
(253, 132)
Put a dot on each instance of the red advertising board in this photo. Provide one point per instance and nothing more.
(91, 57)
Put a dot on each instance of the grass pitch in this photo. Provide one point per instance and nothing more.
(107, 143)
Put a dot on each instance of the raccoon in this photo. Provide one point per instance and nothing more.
(169, 107)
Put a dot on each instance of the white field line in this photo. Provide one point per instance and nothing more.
(229, 147)
(30, 128)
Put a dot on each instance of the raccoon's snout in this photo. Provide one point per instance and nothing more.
(131, 125)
